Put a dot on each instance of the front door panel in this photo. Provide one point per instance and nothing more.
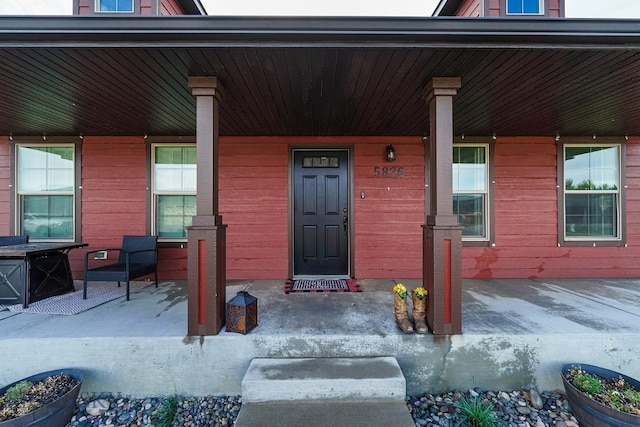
(321, 213)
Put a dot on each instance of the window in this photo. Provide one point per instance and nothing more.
(470, 190)
(45, 191)
(114, 5)
(524, 7)
(592, 192)
(174, 190)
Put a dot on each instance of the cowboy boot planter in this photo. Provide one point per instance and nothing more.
(419, 296)
(400, 308)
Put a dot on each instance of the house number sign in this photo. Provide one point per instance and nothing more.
(388, 172)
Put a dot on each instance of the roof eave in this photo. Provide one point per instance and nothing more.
(185, 31)
(192, 7)
(447, 8)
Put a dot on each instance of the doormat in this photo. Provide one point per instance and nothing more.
(321, 285)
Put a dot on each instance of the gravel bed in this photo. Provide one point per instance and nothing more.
(524, 408)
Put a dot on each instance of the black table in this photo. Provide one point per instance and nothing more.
(34, 271)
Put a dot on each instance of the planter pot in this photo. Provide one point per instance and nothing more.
(55, 414)
(594, 414)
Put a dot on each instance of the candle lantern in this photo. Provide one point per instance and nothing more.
(242, 313)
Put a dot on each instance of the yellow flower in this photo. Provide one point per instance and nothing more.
(420, 292)
(400, 290)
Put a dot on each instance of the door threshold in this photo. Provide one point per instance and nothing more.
(321, 276)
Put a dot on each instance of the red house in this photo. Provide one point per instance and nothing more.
(439, 148)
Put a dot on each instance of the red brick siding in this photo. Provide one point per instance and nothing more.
(171, 7)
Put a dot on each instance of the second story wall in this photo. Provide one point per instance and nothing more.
(140, 7)
(471, 8)
(171, 7)
(494, 8)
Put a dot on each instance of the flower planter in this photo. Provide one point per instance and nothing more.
(591, 413)
(55, 414)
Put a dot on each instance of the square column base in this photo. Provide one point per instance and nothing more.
(206, 281)
(442, 276)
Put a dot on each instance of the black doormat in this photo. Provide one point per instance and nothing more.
(321, 285)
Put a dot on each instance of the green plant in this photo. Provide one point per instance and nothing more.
(585, 382)
(474, 412)
(613, 392)
(166, 413)
(18, 391)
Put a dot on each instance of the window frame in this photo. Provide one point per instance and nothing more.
(489, 204)
(76, 192)
(96, 8)
(152, 199)
(563, 239)
(541, 9)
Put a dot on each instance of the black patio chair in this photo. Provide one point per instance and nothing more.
(13, 240)
(137, 257)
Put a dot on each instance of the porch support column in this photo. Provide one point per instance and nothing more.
(442, 237)
(206, 256)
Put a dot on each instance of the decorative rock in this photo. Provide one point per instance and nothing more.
(513, 409)
(97, 408)
(536, 400)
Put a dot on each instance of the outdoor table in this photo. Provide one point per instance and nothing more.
(34, 271)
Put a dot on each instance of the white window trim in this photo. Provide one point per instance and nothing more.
(618, 192)
(487, 222)
(97, 8)
(18, 194)
(154, 193)
(540, 10)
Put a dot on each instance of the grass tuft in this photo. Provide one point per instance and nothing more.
(474, 412)
(167, 412)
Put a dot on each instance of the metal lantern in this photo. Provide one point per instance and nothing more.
(390, 153)
(242, 313)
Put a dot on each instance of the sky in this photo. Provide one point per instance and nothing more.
(574, 8)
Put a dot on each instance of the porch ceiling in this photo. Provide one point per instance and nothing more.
(71, 76)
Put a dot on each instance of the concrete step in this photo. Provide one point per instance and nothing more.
(320, 392)
(321, 413)
(329, 379)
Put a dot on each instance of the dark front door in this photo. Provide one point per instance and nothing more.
(321, 213)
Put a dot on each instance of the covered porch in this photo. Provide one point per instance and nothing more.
(516, 334)
(255, 87)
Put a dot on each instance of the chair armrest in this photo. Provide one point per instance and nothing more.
(128, 253)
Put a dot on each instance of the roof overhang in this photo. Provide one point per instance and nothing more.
(192, 7)
(318, 76)
(447, 7)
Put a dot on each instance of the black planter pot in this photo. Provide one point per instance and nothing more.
(594, 414)
(54, 414)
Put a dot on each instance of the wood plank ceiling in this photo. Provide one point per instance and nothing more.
(318, 90)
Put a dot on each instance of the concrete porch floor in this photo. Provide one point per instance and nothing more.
(516, 334)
